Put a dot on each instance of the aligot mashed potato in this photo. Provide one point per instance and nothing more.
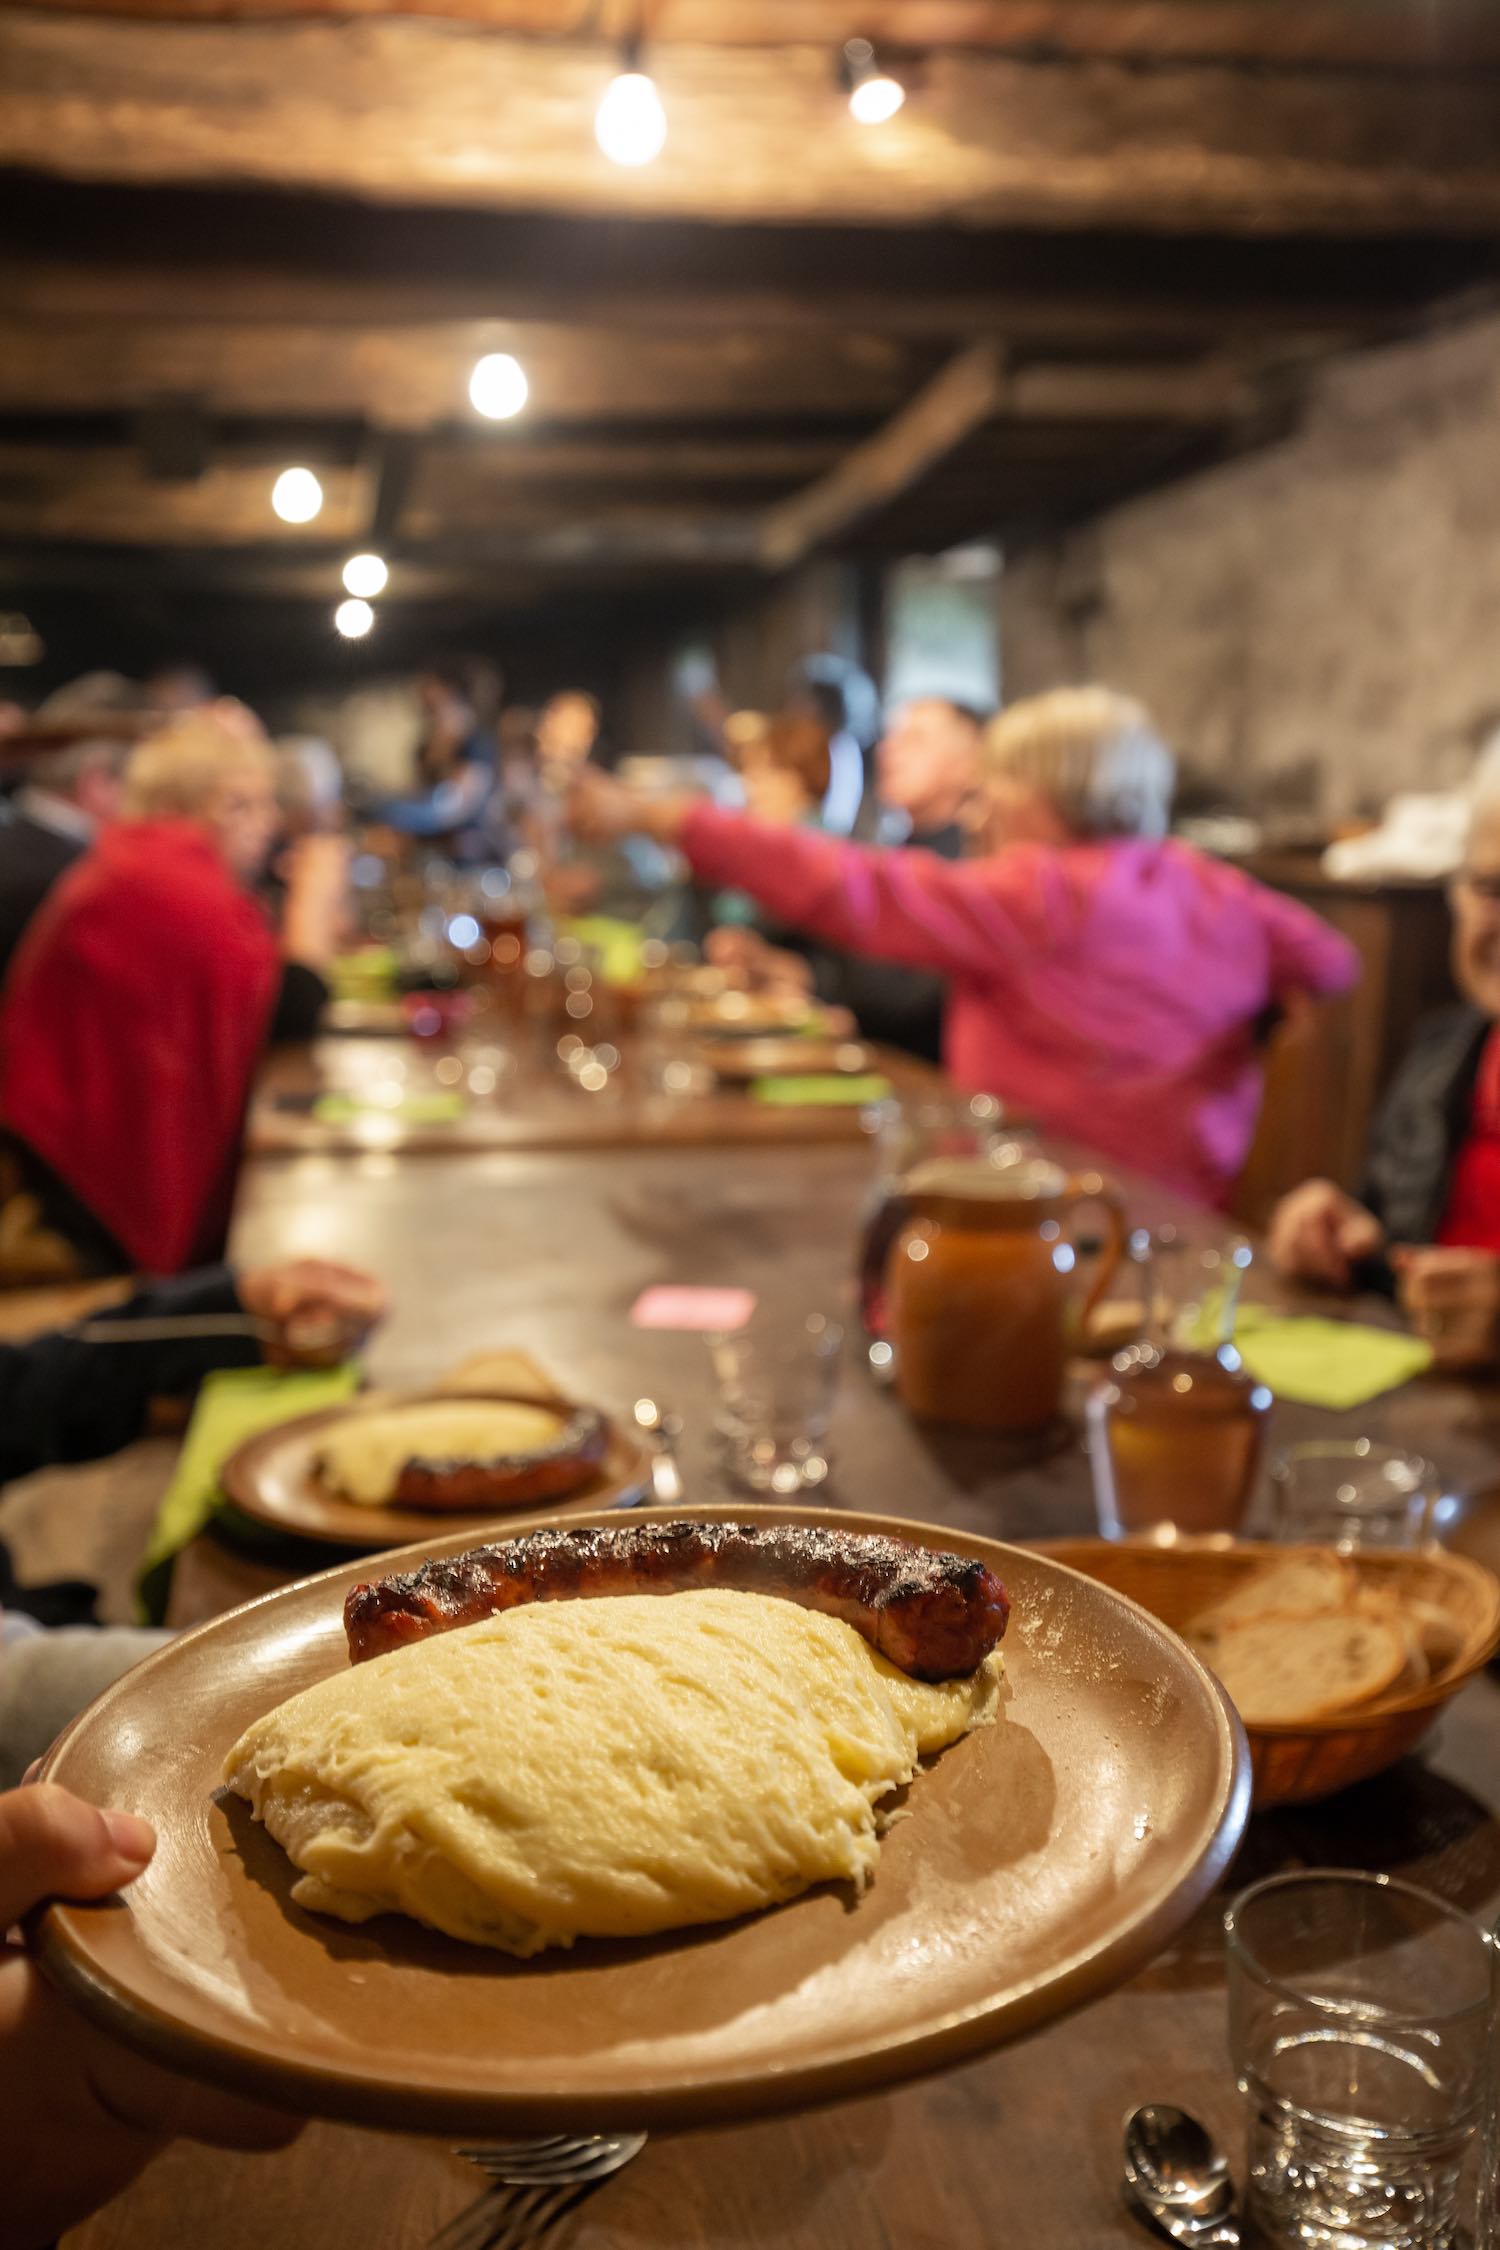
(599, 1768)
(362, 1457)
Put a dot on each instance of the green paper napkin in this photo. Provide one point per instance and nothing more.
(821, 1090)
(369, 974)
(412, 1109)
(617, 943)
(1317, 1362)
(235, 1404)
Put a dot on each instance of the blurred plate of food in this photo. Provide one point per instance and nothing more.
(379, 1471)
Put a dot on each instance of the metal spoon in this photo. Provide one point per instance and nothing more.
(1176, 2174)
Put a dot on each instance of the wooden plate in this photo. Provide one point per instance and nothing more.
(271, 1477)
(742, 1059)
(1043, 1860)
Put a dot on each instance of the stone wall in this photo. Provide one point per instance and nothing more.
(1314, 625)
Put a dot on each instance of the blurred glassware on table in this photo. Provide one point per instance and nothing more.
(1175, 1435)
(980, 1287)
(776, 1388)
(1351, 1492)
(1359, 2014)
(437, 1014)
(1487, 2202)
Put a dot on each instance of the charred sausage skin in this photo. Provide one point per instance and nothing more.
(935, 1616)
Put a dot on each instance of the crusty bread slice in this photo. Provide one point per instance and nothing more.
(1301, 1583)
(1291, 1670)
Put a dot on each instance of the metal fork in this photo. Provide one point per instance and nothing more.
(538, 2182)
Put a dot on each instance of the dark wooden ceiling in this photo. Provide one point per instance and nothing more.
(1103, 242)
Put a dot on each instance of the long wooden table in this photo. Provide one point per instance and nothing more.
(514, 1097)
(549, 1251)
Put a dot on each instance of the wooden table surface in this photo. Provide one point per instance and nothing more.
(549, 1251)
(516, 1099)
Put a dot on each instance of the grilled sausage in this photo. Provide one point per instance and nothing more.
(933, 1615)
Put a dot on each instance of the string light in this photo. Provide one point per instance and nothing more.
(365, 575)
(498, 387)
(630, 124)
(354, 619)
(874, 95)
(296, 496)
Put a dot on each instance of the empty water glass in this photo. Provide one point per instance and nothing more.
(1351, 1492)
(1358, 2012)
(776, 1390)
(1487, 2222)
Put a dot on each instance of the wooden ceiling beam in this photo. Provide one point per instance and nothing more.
(1375, 34)
(395, 109)
(409, 377)
(959, 400)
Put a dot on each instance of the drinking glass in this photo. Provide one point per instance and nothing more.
(1358, 2013)
(1487, 2220)
(1175, 1439)
(776, 1390)
(1350, 1492)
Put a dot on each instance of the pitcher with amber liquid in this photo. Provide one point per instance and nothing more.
(981, 1293)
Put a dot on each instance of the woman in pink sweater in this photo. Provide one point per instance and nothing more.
(1102, 978)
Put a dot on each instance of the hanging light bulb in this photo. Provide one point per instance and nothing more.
(354, 619)
(630, 124)
(498, 387)
(296, 496)
(874, 95)
(365, 575)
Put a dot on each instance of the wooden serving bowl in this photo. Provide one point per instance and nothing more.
(1292, 1764)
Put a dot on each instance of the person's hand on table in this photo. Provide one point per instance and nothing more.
(320, 1311)
(1320, 1234)
(746, 956)
(601, 809)
(79, 2116)
(1452, 1299)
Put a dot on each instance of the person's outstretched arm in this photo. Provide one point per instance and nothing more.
(1307, 955)
(976, 919)
(63, 1398)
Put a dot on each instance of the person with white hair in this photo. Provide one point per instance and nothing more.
(1104, 979)
(1426, 1220)
(138, 1005)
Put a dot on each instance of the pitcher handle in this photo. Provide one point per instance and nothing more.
(1092, 1187)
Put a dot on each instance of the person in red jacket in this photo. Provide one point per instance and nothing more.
(139, 1002)
(1103, 978)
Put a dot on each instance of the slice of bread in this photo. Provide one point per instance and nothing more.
(1285, 1670)
(1305, 1581)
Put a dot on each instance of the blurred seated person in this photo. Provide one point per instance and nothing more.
(140, 1001)
(567, 734)
(65, 1398)
(1102, 978)
(842, 699)
(1426, 1220)
(929, 770)
(71, 794)
(456, 760)
(81, 2116)
(179, 686)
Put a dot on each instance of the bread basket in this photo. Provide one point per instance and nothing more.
(1292, 1764)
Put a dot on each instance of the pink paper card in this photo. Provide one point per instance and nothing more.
(669, 1307)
